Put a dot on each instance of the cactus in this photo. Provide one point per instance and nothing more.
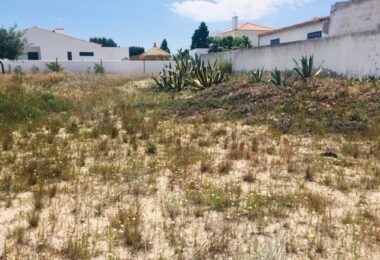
(257, 76)
(189, 73)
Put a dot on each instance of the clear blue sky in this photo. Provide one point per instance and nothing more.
(142, 22)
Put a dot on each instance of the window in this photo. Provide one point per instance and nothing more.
(275, 41)
(33, 56)
(69, 56)
(314, 35)
(87, 54)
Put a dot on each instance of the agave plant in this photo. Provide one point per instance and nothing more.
(257, 76)
(306, 70)
(171, 79)
(276, 77)
(207, 76)
(189, 72)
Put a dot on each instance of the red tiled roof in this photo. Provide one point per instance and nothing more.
(299, 25)
(251, 27)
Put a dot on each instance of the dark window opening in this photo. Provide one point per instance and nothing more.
(87, 54)
(275, 42)
(69, 56)
(314, 35)
(33, 56)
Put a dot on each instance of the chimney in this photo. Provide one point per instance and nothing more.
(60, 31)
(235, 23)
(155, 45)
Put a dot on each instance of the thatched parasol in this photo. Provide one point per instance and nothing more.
(155, 54)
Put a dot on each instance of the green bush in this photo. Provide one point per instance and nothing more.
(35, 70)
(99, 69)
(219, 44)
(151, 148)
(225, 66)
(54, 67)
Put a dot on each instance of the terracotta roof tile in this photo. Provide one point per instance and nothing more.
(251, 27)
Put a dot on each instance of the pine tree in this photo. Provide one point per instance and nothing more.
(164, 46)
(200, 37)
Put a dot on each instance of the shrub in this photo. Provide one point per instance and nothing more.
(219, 44)
(98, 68)
(17, 70)
(54, 67)
(34, 70)
(151, 148)
(306, 70)
(225, 66)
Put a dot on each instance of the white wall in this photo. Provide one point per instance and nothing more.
(54, 45)
(353, 55)
(123, 67)
(292, 35)
(354, 16)
(198, 52)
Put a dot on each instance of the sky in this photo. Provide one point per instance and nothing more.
(143, 22)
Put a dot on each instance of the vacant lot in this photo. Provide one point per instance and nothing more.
(105, 167)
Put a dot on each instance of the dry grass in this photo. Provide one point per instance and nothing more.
(104, 167)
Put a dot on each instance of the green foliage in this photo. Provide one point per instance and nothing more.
(219, 44)
(35, 70)
(54, 67)
(164, 46)
(189, 73)
(225, 66)
(17, 70)
(257, 76)
(200, 36)
(103, 41)
(306, 70)
(276, 77)
(207, 76)
(29, 107)
(151, 148)
(11, 43)
(99, 69)
(136, 51)
(172, 79)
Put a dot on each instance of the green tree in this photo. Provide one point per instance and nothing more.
(11, 44)
(200, 37)
(219, 44)
(164, 46)
(104, 41)
(136, 51)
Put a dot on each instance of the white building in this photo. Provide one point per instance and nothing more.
(50, 45)
(250, 30)
(309, 30)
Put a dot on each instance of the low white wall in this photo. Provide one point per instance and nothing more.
(123, 67)
(354, 55)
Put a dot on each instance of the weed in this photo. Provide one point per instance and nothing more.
(225, 167)
(33, 218)
(151, 148)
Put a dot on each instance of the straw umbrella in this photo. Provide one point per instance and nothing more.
(155, 54)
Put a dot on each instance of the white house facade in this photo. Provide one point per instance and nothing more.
(309, 30)
(51, 45)
(250, 30)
